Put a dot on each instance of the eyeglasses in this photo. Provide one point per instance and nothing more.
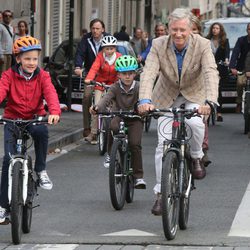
(10, 16)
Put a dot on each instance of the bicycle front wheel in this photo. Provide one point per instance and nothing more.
(103, 137)
(16, 203)
(117, 176)
(27, 209)
(185, 196)
(170, 196)
(147, 123)
(130, 181)
(246, 113)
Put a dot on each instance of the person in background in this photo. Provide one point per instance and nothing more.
(1, 16)
(221, 51)
(240, 61)
(103, 71)
(122, 35)
(138, 43)
(160, 30)
(196, 29)
(6, 41)
(23, 29)
(88, 48)
(124, 95)
(26, 85)
(187, 74)
(84, 32)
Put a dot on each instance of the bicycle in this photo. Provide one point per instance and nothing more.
(246, 105)
(177, 181)
(22, 187)
(121, 180)
(103, 122)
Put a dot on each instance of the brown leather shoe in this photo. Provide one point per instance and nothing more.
(156, 209)
(199, 171)
(205, 158)
(86, 132)
(238, 108)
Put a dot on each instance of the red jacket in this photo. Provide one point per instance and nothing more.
(102, 72)
(25, 97)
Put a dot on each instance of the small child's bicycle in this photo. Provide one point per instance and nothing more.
(121, 180)
(22, 187)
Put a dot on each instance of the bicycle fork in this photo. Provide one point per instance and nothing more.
(182, 160)
(24, 171)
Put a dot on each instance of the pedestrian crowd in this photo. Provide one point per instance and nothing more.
(180, 67)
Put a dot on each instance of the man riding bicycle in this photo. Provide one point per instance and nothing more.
(187, 75)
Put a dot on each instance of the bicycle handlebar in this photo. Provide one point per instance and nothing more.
(120, 113)
(37, 120)
(95, 83)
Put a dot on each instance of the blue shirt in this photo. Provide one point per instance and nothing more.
(180, 57)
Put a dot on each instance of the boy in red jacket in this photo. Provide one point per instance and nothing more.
(103, 71)
(25, 85)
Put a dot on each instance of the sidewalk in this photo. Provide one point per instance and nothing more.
(67, 131)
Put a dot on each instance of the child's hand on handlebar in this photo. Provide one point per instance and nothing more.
(93, 110)
(87, 81)
(78, 71)
(53, 119)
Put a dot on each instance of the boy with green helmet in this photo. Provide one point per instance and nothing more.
(124, 95)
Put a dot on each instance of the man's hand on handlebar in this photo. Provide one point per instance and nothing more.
(53, 119)
(145, 108)
(78, 72)
(204, 109)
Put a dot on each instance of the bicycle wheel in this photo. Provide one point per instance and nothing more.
(117, 176)
(147, 122)
(169, 189)
(130, 182)
(16, 203)
(185, 199)
(103, 137)
(27, 209)
(246, 113)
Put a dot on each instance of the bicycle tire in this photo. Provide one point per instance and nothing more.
(117, 176)
(169, 190)
(185, 201)
(246, 114)
(27, 209)
(103, 138)
(147, 123)
(130, 182)
(16, 211)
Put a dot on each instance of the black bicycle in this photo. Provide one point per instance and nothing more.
(177, 181)
(22, 187)
(121, 180)
(246, 105)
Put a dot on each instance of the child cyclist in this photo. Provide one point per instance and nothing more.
(25, 85)
(103, 71)
(124, 96)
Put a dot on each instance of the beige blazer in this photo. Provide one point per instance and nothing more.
(199, 76)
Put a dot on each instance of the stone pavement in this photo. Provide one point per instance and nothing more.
(67, 131)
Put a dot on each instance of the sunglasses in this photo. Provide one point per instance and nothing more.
(7, 15)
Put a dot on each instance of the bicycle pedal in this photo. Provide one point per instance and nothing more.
(36, 206)
(193, 187)
(6, 222)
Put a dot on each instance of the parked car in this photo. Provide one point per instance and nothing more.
(234, 27)
(58, 67)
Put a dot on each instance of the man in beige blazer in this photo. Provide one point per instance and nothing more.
(187, 75)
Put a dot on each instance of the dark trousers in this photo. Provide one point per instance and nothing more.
(40, 136)
(135, 128)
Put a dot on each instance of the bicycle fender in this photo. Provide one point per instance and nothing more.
(176, 150)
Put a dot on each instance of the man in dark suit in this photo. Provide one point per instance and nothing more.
(240, 62)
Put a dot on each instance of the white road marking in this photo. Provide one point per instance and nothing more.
(240, 226)
(130, 232)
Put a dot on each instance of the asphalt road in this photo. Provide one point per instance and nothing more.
(78, 209)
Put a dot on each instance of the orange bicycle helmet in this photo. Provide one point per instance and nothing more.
(26, 43)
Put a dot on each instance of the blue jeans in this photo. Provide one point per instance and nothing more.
(40, 136)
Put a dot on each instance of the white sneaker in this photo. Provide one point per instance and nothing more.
(140, 184)
(106, 161)
(44, 180)
(3, 214)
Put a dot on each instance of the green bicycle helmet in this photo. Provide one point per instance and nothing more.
(126, 63)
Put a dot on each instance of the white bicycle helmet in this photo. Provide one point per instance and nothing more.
(109, 41)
